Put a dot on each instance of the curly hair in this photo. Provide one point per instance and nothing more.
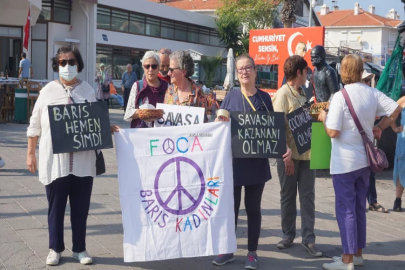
(184, 61)
(68, 49)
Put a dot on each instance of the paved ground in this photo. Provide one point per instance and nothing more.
(24, 235)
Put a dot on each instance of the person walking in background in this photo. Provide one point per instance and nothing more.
(114, 95)
(25, 67)
(349, 165)
(295, 174)
(369, 80)
(164, 55)
(103, 80)
(128, 79)
(399, 162)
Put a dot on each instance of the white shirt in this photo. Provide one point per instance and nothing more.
(130, 110)
(348, 153)
(52, 166)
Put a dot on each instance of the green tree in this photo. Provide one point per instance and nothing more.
(287, 13)
(237, 17)
(210, 65)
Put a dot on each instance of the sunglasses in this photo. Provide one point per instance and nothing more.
(172, 69)
(71, 62)
(154, 66)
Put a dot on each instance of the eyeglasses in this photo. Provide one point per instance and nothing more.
(172, 69)
(71, 62)
(248, 69)
(153, 66)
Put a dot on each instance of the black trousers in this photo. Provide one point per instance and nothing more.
(372, 192)
(253, 199)
(127, 91)
(78, 189)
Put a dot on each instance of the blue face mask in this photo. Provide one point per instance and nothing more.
(68, 72)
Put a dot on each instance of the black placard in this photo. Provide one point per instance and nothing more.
(258, 134)
(300, 123)
(80, 127)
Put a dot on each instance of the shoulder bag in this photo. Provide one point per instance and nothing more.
(377, 160)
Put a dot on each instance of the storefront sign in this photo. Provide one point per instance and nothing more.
(175, 115)
(79, 127)
(258, 134)
(274, 46)
(176, 191)
(300, 123)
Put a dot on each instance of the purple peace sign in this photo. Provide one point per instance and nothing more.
(179, 189)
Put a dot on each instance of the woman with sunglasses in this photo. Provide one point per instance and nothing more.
(251, 173)
(183, 91)
(103, 80)
(67, 175)
(150, 90)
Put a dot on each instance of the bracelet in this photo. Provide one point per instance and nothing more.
(378, 125)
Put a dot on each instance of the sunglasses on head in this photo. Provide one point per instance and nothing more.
(71, 62)
(154, 66)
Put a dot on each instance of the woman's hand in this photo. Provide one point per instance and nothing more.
(398, 129)
(114, 128)
(289, 168)
(377, 131)
(287, 155)
(31, 163)
(322, 116)
(221, 119)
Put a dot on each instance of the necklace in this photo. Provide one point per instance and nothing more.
(295, 95)
(243, 101)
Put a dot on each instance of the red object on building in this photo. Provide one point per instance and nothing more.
(27, 29)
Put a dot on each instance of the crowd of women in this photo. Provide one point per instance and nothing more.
(70, 175)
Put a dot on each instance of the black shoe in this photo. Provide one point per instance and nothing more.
(397, 205)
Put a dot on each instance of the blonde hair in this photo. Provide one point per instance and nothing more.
(351, 69)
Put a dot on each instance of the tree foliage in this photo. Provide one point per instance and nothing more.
(210, 65)
(237, 17)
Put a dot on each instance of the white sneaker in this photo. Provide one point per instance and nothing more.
(53, 257)
(2, 163)
(357, 261)
(338, 265)
(83, 257)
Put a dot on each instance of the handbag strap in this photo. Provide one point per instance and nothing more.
(352, 112)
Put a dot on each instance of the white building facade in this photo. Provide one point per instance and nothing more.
(360, 30)
(111, 32)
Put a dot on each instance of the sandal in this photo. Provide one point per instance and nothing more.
(377, 207)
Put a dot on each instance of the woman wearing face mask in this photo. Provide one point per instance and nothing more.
(64, 175)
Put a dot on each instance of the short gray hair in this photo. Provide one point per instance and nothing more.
(184, 61)
(149, 55)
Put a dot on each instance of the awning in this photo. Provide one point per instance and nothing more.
(14, 12)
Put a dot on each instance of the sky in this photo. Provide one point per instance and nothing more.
(381, 6)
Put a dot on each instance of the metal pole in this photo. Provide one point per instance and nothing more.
(310, 13)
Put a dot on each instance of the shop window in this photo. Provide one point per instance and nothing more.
(103, 18)
(137, 24)
(152, 27)
(56, 11)
(180, 32)
(119, 21)
(120, 63)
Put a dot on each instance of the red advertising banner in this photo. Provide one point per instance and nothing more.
(274, 46)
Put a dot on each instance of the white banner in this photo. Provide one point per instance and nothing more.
(175, 115)
(176, 191)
